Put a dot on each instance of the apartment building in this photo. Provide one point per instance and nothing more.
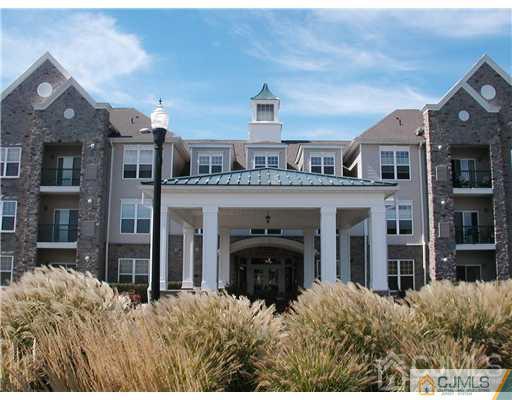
(423, 194)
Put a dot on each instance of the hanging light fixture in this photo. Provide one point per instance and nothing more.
(268, 218)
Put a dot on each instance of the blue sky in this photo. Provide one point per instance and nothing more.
(337, 72)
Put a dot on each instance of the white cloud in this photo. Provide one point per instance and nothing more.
(463, 23)
(309, 45)
(320, 99)
(90, 46)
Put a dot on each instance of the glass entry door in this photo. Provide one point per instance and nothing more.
(265, 280)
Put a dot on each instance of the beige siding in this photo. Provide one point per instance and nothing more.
(129, 189)
(409, 190)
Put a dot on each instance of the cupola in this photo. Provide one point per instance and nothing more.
(265, 125)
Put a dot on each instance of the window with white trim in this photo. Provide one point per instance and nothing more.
(399, 218)
(261, 232)
(264, 112)
(322, 164)
(266, 161)
(133, 270)
(8, 215)
(6, 270)
(209, 163)
(138, 162)
(395, 164)
(135, 216)
(400, 275)
(10, 159)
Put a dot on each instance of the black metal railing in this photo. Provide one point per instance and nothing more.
(482, 234)
(57, 233)
(472, 179)
(61, 177)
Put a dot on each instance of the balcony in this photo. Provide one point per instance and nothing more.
(471, 182)
(475, 237)
(57, 236)
(60, 180)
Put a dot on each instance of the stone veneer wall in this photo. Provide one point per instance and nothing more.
(23, 126)
(443, 129)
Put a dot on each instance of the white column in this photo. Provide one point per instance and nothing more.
(188, 257)
(164, 241)
(309, 257)
(328, 244)
(378, 249)
(345, 254)
(224, 257)
(210, 241)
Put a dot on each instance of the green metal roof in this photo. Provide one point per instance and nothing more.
(264, 94)
(272, 177)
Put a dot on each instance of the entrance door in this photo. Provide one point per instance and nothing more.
(65, 225)
(68, 171)
(265, 280)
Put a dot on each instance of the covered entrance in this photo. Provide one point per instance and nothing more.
(270, 198)
(270, 273)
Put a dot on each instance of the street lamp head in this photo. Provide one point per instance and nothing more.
(160, 117)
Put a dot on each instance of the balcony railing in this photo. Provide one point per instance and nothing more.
(482, 234)
(61, 177)
(472, 179)
(57, 233)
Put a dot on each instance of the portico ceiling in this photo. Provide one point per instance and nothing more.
(256, 218)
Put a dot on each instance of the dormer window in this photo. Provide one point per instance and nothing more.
(210, 163)
(322, 164)
(266, 161)
(265, 112)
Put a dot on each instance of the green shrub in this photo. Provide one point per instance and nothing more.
(242, 331)
(481, 312)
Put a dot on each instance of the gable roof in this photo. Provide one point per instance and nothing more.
(40, 61)
(265, 94)
(273, 177)
(71, 82)
(462, 84)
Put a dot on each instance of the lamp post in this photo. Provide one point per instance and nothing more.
(159, 125)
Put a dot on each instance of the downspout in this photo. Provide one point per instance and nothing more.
(422, 205)
(109, 210)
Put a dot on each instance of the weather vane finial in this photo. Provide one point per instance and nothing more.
(160, 101)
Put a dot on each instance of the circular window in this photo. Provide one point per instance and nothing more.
(44, 89)
(488, 92)
(69, 113)
(463, 115)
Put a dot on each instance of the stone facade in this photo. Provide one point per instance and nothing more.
(444, 130)
(31, 129)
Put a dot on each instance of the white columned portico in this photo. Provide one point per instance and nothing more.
(224, 257)
(328, 244)
(345, 254)
(309, 257)
(210, 241)
(164, 242)
(188, 257)
(378, 248)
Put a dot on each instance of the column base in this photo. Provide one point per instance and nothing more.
(187, 285)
